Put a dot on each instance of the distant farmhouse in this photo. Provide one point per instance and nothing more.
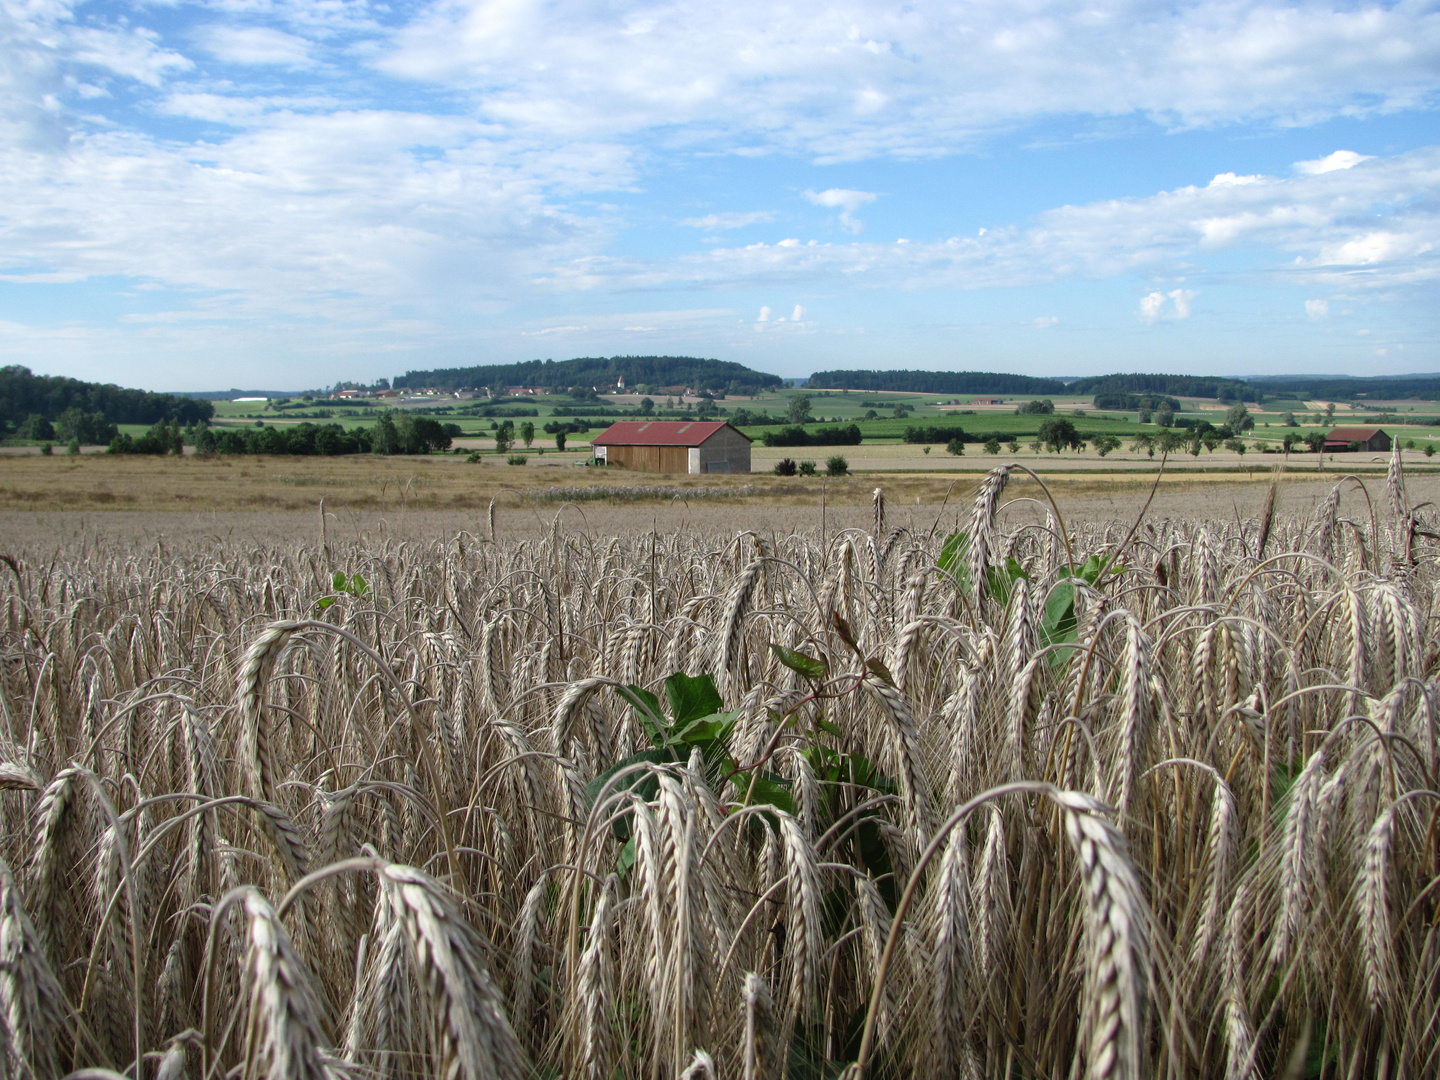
(674, 446)
(1357, 438)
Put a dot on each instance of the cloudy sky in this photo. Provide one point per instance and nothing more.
(283, 193)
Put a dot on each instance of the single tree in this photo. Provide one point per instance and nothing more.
(1238, 418)
(798, 411)
(1105, 443)
(527, 432)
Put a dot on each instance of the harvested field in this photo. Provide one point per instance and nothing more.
(723, 784)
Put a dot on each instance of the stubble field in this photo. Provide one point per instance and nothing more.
(715, 779)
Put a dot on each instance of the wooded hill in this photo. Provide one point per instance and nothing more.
(601, 371)
(935, 382)
(24, 394)
(1331, 388)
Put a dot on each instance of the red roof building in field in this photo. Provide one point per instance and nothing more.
(674, 446)
(1357, 438)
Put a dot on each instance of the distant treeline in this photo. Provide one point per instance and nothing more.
(937, 433)
(1123, 402)
(601, 371)
(1205, 386)
(1331, 389)
(24, 394)
(390, 434)
(935, 382)
(795, 435)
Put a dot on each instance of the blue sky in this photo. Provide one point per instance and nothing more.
(281, 194)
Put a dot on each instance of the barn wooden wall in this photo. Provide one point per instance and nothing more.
(664, 459)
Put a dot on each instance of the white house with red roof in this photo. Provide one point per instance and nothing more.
(674, 446)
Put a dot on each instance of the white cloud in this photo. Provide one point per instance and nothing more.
(1044, 322)
(1317, 309)
(798, 315)
(1370, 228)
(1153, 308)
(256, 45)
(870, 78)
(1340, 159)
(847, 201)
(764, 315)
(731, 220)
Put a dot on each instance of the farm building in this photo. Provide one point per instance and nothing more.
(674, 446)
(1362, 438)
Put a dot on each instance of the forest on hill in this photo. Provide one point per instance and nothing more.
(1203, 386)
(24, 394)
(935, 382)
(602, 371)
(1330, 388)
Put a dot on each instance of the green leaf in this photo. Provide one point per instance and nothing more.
(714, 728)
(359, 586)
(952, 560)
(1058, 625)
(634, 783)
(324, 602)
(647, 711)
(691, 698)
(337, 582)
(626, 860)
(769, 790)
(807, 666)
(1000, 580)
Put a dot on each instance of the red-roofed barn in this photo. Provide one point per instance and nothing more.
(674, 446)
(1357, 438)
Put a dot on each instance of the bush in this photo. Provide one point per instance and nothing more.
(935, 434)
(956, 447)
(785, 467)
(515, 459)
(1040, 407)
(35, 427)
(473, 458)
(72, 447)
(47, 449)
(807, 468)
(836, 466)
(794, 435)
(992, 446)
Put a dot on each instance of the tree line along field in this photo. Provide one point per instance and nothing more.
(852, 407)
(998, 796)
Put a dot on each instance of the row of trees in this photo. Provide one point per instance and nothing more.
(72, 425)
(392, 433)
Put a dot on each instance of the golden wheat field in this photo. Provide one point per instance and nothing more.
(1012, 796)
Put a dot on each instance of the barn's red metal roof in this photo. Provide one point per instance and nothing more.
(659, 433)
(1352, 434)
